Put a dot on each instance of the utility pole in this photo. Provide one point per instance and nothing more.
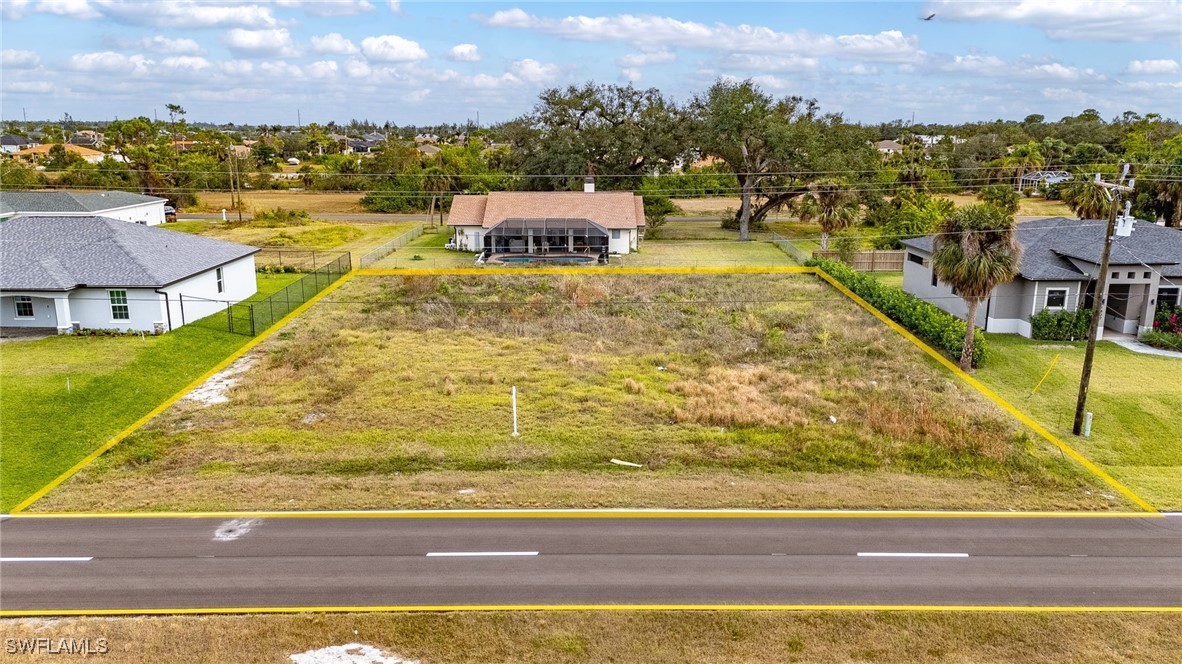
(1100, 301)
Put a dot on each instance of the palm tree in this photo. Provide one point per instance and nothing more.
(1086, 199)
(976, 249)
(831, 204)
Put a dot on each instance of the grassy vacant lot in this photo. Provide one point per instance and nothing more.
(395, 393)
(429, 249)
(357, 237)
(313, 202)
(1137, 401)
(585, 636)
(113, 382)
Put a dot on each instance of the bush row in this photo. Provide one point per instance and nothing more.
(926, 321)
(1163, 340)
(1061, 325)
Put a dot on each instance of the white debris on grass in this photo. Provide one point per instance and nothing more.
(627, 463)
(833, 419)
(312, 418)
(350, 653)
(213, 391)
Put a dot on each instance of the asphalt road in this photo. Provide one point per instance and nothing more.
(172, 562)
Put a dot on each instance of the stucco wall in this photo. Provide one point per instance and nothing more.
(91, 308)
(201, 295)
(43, 312)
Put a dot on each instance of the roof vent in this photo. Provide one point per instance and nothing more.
(589, 185)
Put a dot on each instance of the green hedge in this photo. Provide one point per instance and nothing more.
(926, 321)
(1163, 340)
(1060, 325)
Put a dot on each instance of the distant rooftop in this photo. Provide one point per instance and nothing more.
(33, 202)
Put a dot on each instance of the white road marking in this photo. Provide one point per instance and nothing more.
(457, 554)
(893, 554)
(49, 559)
(234, 528)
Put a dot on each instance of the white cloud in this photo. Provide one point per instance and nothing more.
(395, 6)
(392, 48)
(236, 67)
(780, 63)
(30, 87)
(110, 62)
(644, 59)
(322, 69)
(13, 10)
(275, 41)
(464, 53)
(190, 62)
(14, 59)
(533, 71)
(281, 70)
(71, 8)
(333, 42)
(1022, 69)
(662, 31)
(1098, 20)
(631, 74)
(357, 68)
(162, 44)
(328, 7)
(417, 96)
(1153, 67)
(188, 14)
(860, 70)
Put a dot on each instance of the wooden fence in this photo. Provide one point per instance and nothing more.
(887, 260)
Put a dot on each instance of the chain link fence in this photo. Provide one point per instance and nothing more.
(381, 251)
(786, 245)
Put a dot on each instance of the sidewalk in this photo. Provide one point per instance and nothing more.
(1130, 342)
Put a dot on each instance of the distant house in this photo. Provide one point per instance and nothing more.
(429, 150)
(1058, 271)
(11, 144)
(87, 138)
(888, 147)
(39, 153)
(357, 146)
(121, 205)
(70, 273)
(374, 137)
(519, 222)
(426, 138)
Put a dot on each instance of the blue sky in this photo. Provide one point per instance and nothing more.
(252, 61)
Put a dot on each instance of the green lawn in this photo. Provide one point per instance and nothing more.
(113, 381)
(705, 253)
(889, 278)
(429, 250)
(1137, 401)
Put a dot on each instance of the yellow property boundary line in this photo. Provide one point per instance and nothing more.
(589, 513)
(1036, 427)
(593, 607)
(119, 437)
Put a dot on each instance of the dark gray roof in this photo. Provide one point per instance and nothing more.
(1048, 243)
(9, 139)
(32, 202)
(61, 253)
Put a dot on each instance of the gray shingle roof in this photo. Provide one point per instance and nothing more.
(1048, 243)
(31, 202)
(61, 253)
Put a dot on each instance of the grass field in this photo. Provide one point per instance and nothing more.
(312, 202)
(1137, 401)
(113, 382)
(585, 636)
(1027, 207)
(398, 396)
(355, 237)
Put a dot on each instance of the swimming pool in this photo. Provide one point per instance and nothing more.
(545, 260)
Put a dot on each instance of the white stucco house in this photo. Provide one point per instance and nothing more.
(541, 223)
(1059, 267)
(71, 273)
(122, 205)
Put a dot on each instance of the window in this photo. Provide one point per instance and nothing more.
(1167, 296)
(915, 258)
(1056, 297)
(221, 282)
(1144, 275)
(1131, 275)
(934, 279)
(1116, 275)
(119, 310)
(615, 233)
(24, 306)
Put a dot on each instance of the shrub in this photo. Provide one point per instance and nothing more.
(1163, 340)
(1168, 319)
(1000, 195)
(1060, 325)
(278, 218)
(927, 321)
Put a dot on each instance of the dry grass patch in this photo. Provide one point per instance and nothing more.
(772, 384)
(652, 636)
(312, 202)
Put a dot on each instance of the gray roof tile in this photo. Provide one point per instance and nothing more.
(60, 253)
(31, 202)
(1048, 243)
